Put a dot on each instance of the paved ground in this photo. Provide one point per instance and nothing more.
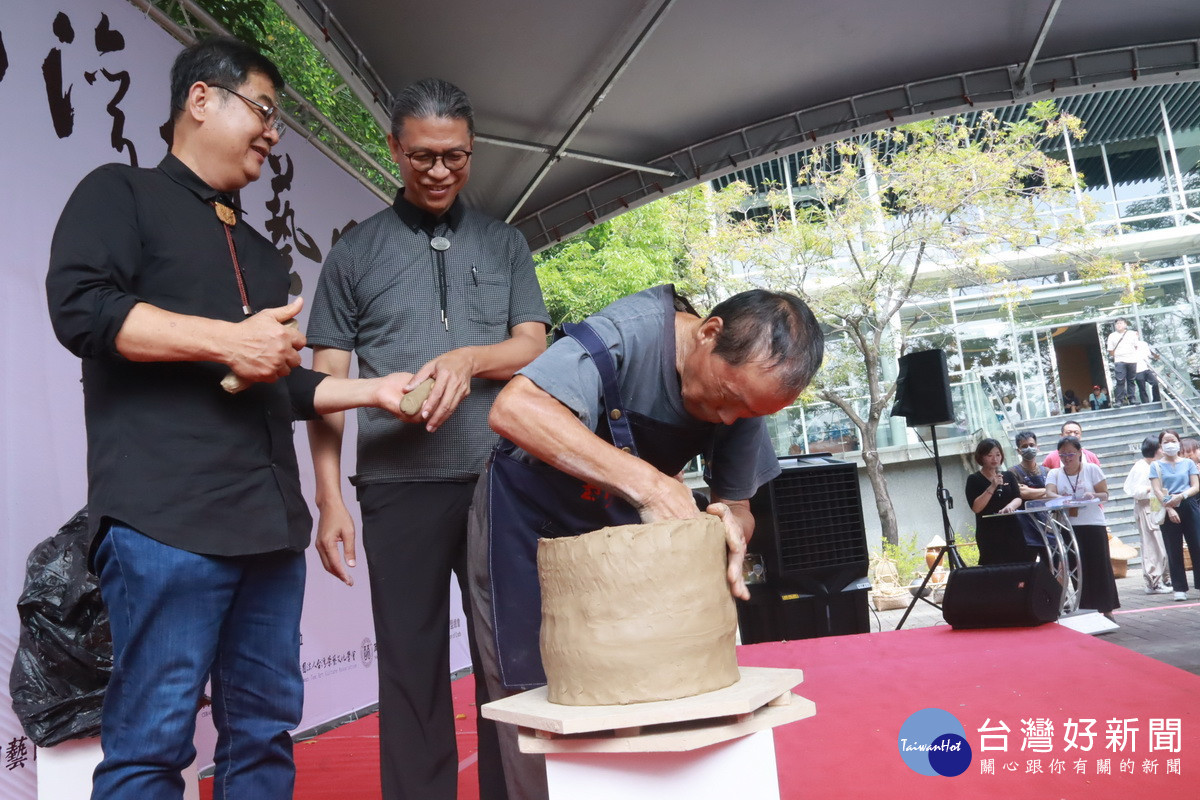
(1153, 625)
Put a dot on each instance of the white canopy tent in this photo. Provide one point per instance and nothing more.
(585, 109)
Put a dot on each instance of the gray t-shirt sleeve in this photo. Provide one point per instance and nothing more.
(742, 460)
(333, 321)
(525, 298)
(566, 373)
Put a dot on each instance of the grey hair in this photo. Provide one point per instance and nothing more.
(429, 98)
(775, 326)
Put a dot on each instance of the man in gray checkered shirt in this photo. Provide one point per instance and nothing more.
(435, 289)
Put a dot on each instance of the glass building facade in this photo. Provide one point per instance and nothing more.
(1139, 167)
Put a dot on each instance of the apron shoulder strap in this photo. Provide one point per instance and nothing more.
(597, 350)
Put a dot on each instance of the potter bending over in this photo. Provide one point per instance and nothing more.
(594, 431)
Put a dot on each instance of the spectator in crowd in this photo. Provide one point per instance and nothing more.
(1097, 399)
(1145, 515)
(1085, 481)
(1071, 404)
(1122, 348)
(1074, 430)
(1175, 481)
(993, 491)
(1144, 374)
(1031, 481)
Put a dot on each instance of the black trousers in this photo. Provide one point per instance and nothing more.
(1123, 382)
(415, 535)
(1143, 378)
(1099, 590)
(1174, 535)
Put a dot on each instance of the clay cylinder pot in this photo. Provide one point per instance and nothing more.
(637, 613)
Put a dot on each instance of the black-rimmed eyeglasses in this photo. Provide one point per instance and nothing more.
(453, 160)
(272, 118)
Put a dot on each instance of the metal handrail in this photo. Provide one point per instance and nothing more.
(1181, 401)
(1010, 430)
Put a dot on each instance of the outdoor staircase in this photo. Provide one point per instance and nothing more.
(1115, 436)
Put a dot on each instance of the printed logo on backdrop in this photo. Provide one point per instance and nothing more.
(329, 664)
(368, 652)
(933, 742)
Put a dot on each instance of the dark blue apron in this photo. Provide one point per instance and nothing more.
(529, 501)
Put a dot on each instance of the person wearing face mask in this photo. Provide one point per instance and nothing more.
(1080, 480)
(993, 491)
(1175, 481)
(1137, 486)
(1031, 480)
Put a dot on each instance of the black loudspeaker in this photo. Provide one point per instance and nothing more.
(1001, 596)
(811, 539)
(923, 389)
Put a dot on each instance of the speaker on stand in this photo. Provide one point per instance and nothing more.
(923, 398)
(811, 542)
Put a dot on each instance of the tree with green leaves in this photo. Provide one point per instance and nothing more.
(650, 245)
(265, 26)
(889, 219)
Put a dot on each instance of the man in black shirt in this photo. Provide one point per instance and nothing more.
(194, 497)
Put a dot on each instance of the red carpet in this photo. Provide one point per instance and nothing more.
(866, 686)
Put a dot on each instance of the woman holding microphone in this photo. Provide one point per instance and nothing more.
(992, 491)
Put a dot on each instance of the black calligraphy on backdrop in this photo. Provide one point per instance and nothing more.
(107, 40)
(3, 57)
(282, 227)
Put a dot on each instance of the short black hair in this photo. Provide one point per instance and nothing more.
(775, 326)
(1022, 436)
(1070, 441)
(1069, 422)
(218, 61)
(986, 446)
(1149, 446)
(430, 98)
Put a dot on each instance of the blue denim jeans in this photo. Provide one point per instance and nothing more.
(177, 619)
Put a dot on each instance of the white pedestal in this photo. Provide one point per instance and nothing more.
(713, 746)
(64, 771)
(742, 768)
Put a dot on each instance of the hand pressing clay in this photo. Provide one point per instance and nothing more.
(234, 383)
(637, 613)
(411, 403)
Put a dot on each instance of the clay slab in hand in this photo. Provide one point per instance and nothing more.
(411, 403)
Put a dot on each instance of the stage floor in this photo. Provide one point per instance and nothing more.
(1048, 686)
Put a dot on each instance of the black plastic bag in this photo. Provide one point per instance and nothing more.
(64, 658)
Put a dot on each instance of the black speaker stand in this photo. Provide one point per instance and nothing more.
(950, 551)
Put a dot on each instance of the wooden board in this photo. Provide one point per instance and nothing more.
(758, 686)
(672, 737)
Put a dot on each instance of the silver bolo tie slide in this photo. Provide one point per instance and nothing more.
(441, 244)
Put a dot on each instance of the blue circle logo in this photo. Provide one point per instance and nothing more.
(933, 742)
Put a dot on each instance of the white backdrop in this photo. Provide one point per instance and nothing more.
(56, 125)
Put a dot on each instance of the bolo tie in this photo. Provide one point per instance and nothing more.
(228, 219)
(439, 245)
(232, 382)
